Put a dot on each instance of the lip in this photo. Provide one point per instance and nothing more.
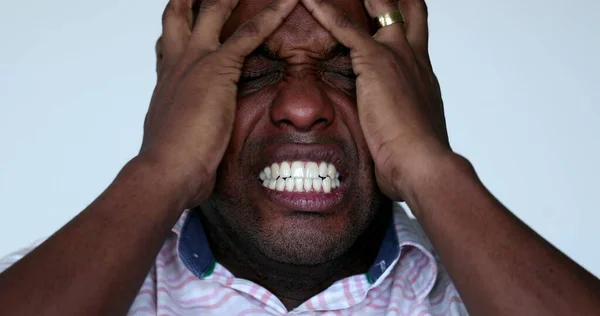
(307, 202)
(311, 202)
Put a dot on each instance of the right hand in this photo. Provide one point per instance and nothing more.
(191, 115)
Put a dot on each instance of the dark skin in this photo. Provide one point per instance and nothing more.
(196, 145)
(304, 98)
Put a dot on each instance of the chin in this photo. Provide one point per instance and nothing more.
(307, 240)
(293, 226)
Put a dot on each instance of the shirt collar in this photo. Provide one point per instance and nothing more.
(412, 237)
(402, 233)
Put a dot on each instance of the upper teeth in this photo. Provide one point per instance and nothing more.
(300, 176)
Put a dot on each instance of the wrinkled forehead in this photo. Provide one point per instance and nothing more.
(300, 30)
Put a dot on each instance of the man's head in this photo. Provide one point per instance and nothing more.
(297, 120)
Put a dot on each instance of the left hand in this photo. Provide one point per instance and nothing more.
(399, 100)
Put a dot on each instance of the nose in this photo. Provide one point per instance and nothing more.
(303, 105)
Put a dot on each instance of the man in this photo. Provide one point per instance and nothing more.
(286, 129)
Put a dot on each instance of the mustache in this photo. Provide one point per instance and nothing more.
(295, 138)
(252, 149)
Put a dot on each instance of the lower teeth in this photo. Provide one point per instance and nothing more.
(290, 184)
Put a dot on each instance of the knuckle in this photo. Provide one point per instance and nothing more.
(343, 20)
(381, 5)
(209, 5)
(168, 12)
(158, 48)
(228, 62)
(273, 6)
(418, 5)
(250, 29)
(172, 10)
(215, 6)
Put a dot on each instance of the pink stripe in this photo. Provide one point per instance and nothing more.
(454, 299)
(440, 298)
(228, 282)
(431, 282)
(266, 297)
(249, 311)
(253, 289)
(176, 277)
(178, 286)
(168, 308)
(147, 291)
(375, 296)
(206, 297)
(416, 274)
(218, 304)
(202, 298)
(393, 309)
(424, 312)
(142, 309)
(309, 304)
(168, 248)
(361, 286)
(163, 263)
(375, 306)
(347, 294)
(418, 266)
(322, 301)
(409, 295)
(414, 309)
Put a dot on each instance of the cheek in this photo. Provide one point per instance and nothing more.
(251, 117)
(347, 115)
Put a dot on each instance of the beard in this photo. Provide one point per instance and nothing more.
(240, 214)
(299, 239)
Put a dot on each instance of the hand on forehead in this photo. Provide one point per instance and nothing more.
(300, 26)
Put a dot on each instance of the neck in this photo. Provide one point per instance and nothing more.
(295, 284)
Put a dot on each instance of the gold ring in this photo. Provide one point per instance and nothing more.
(390, 18)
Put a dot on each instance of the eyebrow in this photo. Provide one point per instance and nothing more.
(337, 50)
(263, 50)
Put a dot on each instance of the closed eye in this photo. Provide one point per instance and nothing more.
(252, 81)
(248, 76)
(344, 71)
(341, 79)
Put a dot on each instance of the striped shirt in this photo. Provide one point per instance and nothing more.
(405, 279)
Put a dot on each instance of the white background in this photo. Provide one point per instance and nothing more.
(520, 81)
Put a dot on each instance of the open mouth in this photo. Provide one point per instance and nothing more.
(304, 177)
(301, 176)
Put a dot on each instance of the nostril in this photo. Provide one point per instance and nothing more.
(322, 121)
(286, 122)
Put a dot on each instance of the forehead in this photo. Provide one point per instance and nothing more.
(300, 30)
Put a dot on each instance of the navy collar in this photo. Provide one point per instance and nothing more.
(196, 255)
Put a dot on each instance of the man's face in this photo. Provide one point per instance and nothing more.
(296, 182)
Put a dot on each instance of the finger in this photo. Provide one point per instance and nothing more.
(159, 55)
(391, 34)
(417, 30)
(176, 32)
(338, 23)
(255, 31)
(212, 15)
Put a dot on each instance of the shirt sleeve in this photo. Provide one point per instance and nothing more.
(9, 260)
